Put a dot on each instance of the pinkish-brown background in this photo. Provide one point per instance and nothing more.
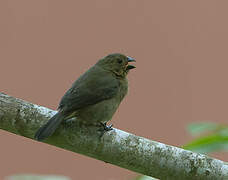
(181, 76)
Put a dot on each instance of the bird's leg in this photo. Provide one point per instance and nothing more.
(105, 128)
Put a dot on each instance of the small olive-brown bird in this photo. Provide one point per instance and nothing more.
(95, 96)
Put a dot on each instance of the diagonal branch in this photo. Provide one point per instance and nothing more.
(116, 147)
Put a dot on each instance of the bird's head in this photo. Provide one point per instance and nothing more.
(117, 63)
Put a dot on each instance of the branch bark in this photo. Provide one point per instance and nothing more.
(116, 147)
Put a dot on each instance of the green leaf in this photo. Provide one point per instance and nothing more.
(223, 131)
(210, 143)
(145, 178)
(202, 127)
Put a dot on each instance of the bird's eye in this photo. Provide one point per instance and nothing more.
(119, 61)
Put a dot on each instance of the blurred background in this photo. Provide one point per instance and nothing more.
(181, 75)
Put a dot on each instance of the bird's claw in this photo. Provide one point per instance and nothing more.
(105, 128)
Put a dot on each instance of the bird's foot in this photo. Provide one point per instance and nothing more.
(105, 128)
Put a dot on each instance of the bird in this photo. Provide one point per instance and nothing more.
(94, 97)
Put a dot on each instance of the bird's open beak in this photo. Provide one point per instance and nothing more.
(130, 59)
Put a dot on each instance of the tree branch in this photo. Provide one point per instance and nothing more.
(116, 147)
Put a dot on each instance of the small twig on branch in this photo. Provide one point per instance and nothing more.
(116, 147)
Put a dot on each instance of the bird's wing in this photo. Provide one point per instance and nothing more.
(92, 87)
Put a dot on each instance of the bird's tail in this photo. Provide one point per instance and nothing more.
(49, 128)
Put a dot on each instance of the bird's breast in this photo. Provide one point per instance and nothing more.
(104, 110)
